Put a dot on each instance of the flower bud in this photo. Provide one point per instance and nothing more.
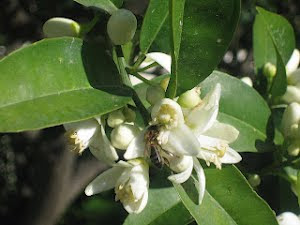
(122, 135)
(59, 27)
(269, 70)
(292, 94)
(254, 180)
(293, 149)
(294, 78)
(154, 94)
(164, 83)
(290, 118)
(247, 80)
(115, 118)
(121, 26)
(129, 115)
(288, 218)
(190, 99)
(293, 62)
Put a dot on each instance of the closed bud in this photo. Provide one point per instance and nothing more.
(292, 94)
(293, 149)
(59, 27)
(190, 99)
(121, 26)
(290, 119)
(129, 115)
(288, 218)
(154, 94)
(115, 118)
(122, 135)
(164, 83)
(269, 70)
(179, 163)
(254, 180)
(247, 80)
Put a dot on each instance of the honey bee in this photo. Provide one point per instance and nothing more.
(153, 150)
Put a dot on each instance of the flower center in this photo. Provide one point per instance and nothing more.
(74, 143)
(124, 193)
(167, 116)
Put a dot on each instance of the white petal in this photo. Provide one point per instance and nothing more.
(181, 141)
(231, 157)
(136, 147)
(291, 95)
(294, 77)
(209, 147)
(293, 62)
(104, 181)
(182, 177)
(223, 131)
(162, 59)
(139, 180)
(137, 207)
(203, 116)
(201, 179)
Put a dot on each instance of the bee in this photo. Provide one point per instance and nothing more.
(153, 150)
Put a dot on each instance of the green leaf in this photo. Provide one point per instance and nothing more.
(228, 200)
(271, 31)
(53, 81)
(242, 107)
(107, 5)
(279, 83)
(208, 27)
(164, 206)
(232, 193)
(176, 10)
(154, 19)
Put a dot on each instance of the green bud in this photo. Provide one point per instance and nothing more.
(269, 70)
(154, 94)
(59, 27)
(190, 99)
(121, 26)
(129, 114)
(122, 135)
(115, 118)
(254, 180)
(293, 149)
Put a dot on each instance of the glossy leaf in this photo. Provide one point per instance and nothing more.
(208, 27)
(242, 107)
(107, 5)
(279, 83)
(231, 191)
(53, 81)
(176, 10)
(154, 19)
(269, 31)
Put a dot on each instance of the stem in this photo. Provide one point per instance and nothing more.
(86, 28)
(137, 75)
(138, 62)
(148, 67)
(126, 81)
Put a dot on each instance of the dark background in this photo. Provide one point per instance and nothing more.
(42, 183)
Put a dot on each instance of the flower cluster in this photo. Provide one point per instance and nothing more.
(181, 132)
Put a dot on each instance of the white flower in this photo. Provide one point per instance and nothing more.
(130, 181)
(79, 134)
(90, 133)
(197, 135)
(288, 218)
(290, 120)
